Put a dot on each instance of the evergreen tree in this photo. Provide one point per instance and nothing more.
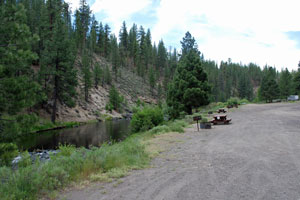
(93, 34)
(58, 58)
(269, 89)
(285, 83)
(161, 56)
(115, 57)
(18, 89)
(189, 88)
(106, 41)
(133, 44)
(82, 23)
(245, 88)
(101, 40)
(188, 44)
(107, 76)
(115, 100)
(296, 80)
(123, 36)
(148, 56)
(98, 75)
(151, 80)
(142, 52)
(86, 72)
(159, 91)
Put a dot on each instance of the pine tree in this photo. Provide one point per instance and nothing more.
(159, 91)
(107, 76)
(189, 88)
(93, 34)
(161, 56)
(124, 44)
(106, 41)
(101, 40)
(188, 44)
(115, 100)
(148, 42)
(58, 58)
(142, 52)
(245, 88)
(115, 56)
(98, 75)
(86, 72)
(82, 20)
(123, 36)
(18, 89)
(133, 44)
(296, 80)
(269, 88)
(151, 80)
(285, 83)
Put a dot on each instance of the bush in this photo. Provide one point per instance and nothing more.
(204, 120)
(8, 151)
(160, 129)
(243, 101)
(146, 119)
(232, 101)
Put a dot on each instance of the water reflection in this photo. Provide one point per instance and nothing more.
(83, 136)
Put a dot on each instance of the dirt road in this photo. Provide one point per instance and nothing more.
(256, 157)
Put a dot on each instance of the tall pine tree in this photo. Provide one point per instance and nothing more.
(57, 59)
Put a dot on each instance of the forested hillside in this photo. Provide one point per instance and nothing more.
(68, 66)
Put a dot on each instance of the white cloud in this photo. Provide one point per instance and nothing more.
(244, 30)
(227, 24)
(118, 10)
(74, 4)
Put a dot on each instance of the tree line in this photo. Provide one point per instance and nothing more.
(40, 45)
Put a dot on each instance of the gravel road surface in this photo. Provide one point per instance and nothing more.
(255, 157)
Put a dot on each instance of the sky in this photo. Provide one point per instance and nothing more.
(258, 31)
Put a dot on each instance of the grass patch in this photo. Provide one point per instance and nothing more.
(172, 126)
(32, 181)
(70, 165)
(102, 177)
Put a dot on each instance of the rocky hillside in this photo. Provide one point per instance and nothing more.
(129, 84)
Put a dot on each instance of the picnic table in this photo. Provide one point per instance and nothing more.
(220, 119)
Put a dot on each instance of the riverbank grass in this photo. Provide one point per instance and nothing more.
(31, 181)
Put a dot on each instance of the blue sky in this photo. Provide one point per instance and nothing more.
(259, 31)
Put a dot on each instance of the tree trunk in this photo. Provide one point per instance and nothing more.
(53, 117)
(55, 95)
(189, 110)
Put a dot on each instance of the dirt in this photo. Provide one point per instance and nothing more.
(255, 157)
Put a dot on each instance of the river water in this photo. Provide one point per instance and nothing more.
(83, 136)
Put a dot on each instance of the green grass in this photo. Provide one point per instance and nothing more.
(32, 181)
(171, 126)
(71, 164)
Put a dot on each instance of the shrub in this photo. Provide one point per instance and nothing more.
(146, 119)
(177, 126)
(160, 129)
(204, 120)
(232, 101)
(8, 151)
(243, 101)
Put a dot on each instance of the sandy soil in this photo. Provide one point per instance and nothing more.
(256, 157)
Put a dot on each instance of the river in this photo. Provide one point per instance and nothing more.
(83, 136)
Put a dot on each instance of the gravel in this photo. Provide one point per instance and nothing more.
(255, 157)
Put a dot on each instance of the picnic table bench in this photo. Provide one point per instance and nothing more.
(220, 119)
